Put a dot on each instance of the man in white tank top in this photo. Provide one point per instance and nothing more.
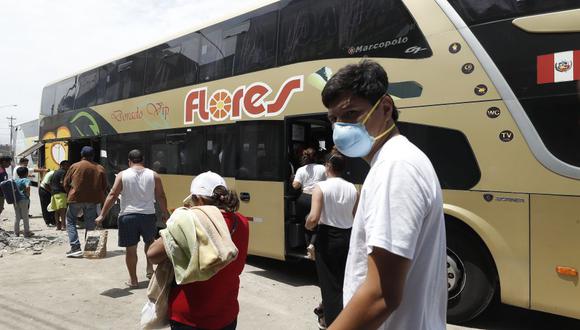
(141, 187)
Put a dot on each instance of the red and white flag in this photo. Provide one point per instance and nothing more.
(559, 67)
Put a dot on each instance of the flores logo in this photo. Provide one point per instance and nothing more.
(563, 66)
(378, 45)
(250, 100)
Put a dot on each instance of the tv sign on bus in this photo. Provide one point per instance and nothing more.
(252, 100)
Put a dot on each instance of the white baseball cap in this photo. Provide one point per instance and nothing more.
(204, 185)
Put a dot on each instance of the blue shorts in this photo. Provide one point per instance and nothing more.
(133, 226)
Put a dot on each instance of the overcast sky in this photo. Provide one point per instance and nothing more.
(45, 40)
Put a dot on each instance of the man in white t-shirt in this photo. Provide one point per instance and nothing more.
(395, 274)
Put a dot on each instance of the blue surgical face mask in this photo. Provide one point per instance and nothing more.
(353, 140)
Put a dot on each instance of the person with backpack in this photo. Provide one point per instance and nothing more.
(4, 164)
(22, 202)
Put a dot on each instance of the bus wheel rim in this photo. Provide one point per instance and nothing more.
(455, 275)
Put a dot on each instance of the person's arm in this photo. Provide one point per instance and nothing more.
(111, 198)
(315, 209)
(66, 183)
(296, 184)
(156, 253)
(379, 295)
(161, 198)
(27, 189)
(46, 181)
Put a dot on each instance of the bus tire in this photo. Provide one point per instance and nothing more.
(472, 277)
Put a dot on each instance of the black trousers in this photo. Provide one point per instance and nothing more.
(303, 204)
(44, 196)
(331, 252)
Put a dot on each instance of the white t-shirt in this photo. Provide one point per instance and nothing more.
(339, 197)
(138, 194)
(309, 175)
(401, 210)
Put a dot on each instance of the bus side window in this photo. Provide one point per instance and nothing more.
(312, 30)
(172, 64)
(65, 94)
(255, 42)
(122, 79)
(47, 106)
(87, 91)
(261, 151)
(221, 149)
(216, 53)
(449, 152)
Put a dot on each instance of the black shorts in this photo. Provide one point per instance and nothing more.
(133, 226)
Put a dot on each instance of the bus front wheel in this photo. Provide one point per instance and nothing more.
(472, 281)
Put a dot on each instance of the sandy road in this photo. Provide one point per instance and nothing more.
(49, 291)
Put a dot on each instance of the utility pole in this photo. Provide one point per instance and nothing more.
(12, 119)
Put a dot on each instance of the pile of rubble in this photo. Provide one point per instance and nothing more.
(10, 244)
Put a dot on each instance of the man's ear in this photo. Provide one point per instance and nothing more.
(387, 104)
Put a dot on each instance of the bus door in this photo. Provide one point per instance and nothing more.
(75, 147)
(301, 133)
(259, 182)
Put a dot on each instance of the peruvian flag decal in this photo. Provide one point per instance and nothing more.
(559, 67)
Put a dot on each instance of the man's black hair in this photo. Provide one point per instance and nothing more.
(64, 162)
(23, 160)
(88, 152)
(5, 159)
(366, 79)
(136, 156)
(22, 172)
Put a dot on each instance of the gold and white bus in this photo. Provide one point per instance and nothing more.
(488, 89)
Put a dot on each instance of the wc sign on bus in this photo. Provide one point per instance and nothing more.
(253, 100)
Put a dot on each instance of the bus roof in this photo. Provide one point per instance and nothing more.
(202, 25)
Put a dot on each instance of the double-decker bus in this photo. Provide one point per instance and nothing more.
(487, 89)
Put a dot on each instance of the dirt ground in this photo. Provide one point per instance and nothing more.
(50, 291)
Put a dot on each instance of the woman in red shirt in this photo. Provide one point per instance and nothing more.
(211, 304)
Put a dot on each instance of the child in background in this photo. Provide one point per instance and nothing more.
(22, 202)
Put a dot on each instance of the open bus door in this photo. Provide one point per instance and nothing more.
(75, 147)
(301, 132)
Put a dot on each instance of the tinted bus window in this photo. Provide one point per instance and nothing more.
(191, 151)
(65, 94)
(124, 78)
(553, 107)
(47, 103)
(312, 30)
(118, 147)
(217, 53)
(261, 151)
(477, 11)
(557, 120)
(221, 149)
(172, 64)
(87, 91)
(164, 156)
(449, 152)
(256, 42)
